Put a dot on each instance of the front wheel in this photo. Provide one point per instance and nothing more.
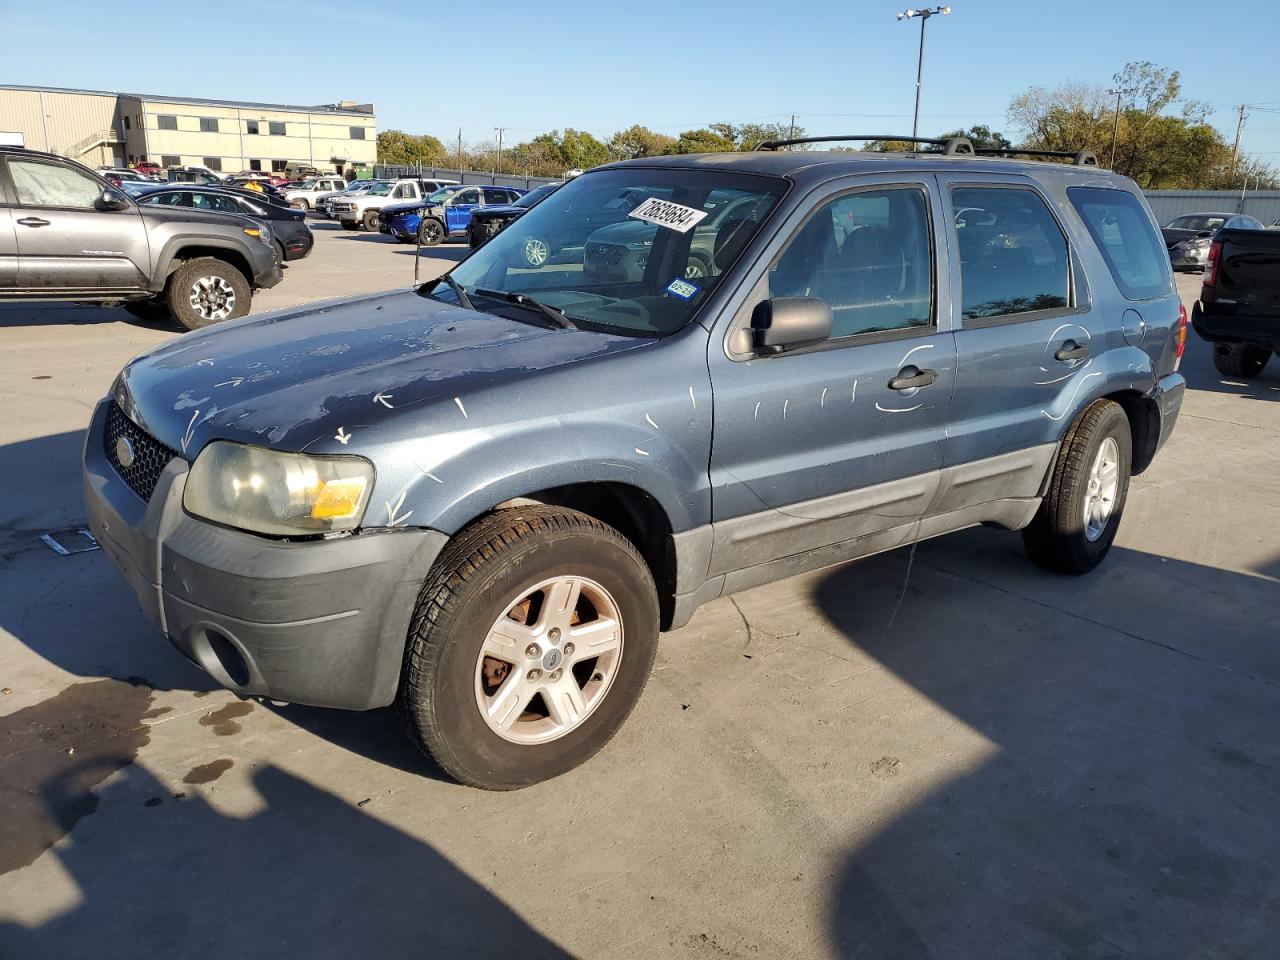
(1242, 360)
(531, 642)
(1078, 519)
(370, 221)
(302, 205)
(206, 291)
(430, 232)
(537, 251)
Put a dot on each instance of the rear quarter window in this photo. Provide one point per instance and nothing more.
(1123, 234)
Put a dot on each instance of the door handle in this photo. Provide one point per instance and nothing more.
(33, 222)
(909, 378)
(1071, 351)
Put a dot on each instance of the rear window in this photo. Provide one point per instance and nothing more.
(1123, 233)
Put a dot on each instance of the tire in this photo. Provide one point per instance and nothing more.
(149, 310)
(1059, 538)
(481, 573)
(1241, 360)
(536, 251)
(370, 221)
(210, 276)
(280, 254)
(349, 225)
(430, 232)
(696, 268)
(302, 204)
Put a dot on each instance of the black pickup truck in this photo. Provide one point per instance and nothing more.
(1239, 307)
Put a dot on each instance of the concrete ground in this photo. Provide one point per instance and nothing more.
(1015, 765)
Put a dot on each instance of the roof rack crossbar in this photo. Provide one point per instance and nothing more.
(1081, 158)
(951, 146)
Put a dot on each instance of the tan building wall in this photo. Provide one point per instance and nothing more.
(98, 128)
(314, 138)
(82, 125)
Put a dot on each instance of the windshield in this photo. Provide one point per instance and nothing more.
(1198, 221)
(536, 195)
(443, 194)
(379, 190)
(632, 250)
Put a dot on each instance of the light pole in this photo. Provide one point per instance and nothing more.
(1115, 127)
(923, 16)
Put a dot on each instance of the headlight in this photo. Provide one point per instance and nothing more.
(267, 491)
(261, 231)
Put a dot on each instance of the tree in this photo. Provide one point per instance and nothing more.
(399, 148)
(724, 137)
(982, 137)
(637, 141)
(551, 154)
(1163, 141)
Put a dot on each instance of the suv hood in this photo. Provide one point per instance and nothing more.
(287, 380)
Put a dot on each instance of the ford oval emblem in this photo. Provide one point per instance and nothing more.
(125, 454)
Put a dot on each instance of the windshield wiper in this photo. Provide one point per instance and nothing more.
(557, 317)
(459, 291)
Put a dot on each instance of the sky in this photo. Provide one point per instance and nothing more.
(841, 67)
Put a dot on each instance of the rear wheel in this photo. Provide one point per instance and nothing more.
(370, 221)
(531, 642)
(205, 291)
(1078, 520)
(430, 232)
(1242, 360)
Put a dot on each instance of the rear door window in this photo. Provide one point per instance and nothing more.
(1122, 230)
(1013, 255)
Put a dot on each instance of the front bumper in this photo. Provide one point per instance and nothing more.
(1188, 260)
(320, 622)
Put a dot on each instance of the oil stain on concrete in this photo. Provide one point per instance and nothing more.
(53, 755)
(223, 720)
(208, 772)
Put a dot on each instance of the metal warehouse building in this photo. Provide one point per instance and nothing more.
(97, 127)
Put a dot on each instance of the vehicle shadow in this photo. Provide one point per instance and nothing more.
(51, 314)
(1201, 374)
(1117, 794)
(159, 874)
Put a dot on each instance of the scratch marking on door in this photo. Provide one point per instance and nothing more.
(458, 401)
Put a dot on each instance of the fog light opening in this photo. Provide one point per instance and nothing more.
(229, 657)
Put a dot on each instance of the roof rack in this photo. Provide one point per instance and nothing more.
(951, 146)
(1081, 158)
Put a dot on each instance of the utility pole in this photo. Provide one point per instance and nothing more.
(1115, 127)
(923, 16)
(792, 134)
(501, 131)
(459, 149)
(1235, 150)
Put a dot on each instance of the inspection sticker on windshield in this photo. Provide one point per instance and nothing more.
(683, 289)
(667, 214)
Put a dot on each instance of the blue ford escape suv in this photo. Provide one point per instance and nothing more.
(484, 498)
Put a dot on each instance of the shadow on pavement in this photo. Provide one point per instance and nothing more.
(53, 314)
(164, 875)
(1126, 804)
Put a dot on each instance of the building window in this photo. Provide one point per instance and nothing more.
(251, 127)
(255, 164)
(277, 128)
(208, 124)
(168, 161)
(126, 124)
(357, 133)
(167, 122)
(213, 163)
(279, 166)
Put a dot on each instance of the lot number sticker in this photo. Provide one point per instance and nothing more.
(682, 289)
(667, 214)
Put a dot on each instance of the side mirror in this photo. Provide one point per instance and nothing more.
(112, 200)
(786, 323)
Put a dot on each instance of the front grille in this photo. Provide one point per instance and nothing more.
(609, 253)
(150, 456)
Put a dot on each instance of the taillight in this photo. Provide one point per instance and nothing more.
(1211, 268)
(1180, 338)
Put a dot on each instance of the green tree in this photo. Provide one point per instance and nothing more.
(398, 147)
(717, 138)
(637, 141)
(981, 136)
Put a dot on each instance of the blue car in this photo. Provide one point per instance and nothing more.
(444, 214)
